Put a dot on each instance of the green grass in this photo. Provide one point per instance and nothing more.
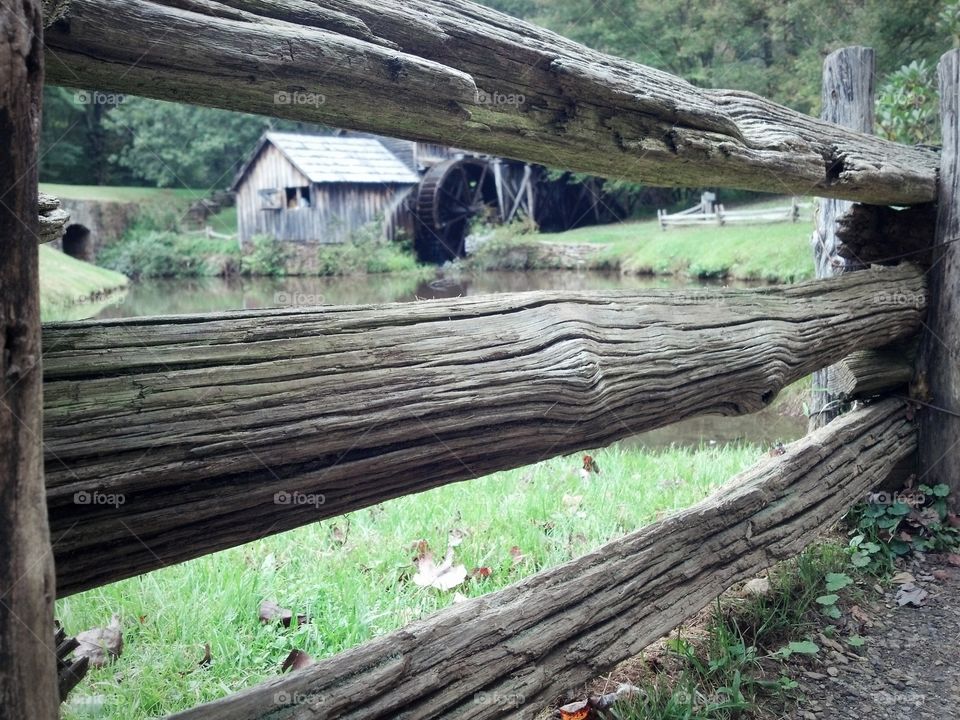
(71, 288)
(775, 252)
(352, 575)
(116, 193)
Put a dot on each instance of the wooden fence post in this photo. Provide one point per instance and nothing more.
(939, 364)
(28, 675)
(848, 100)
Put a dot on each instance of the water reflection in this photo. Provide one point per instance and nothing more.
(171, 297)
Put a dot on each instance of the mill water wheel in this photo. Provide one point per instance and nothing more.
(451, 194)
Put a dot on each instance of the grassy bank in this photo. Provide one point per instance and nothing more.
(177, 198)
(69, 287)
(774, 252)
(353, 576)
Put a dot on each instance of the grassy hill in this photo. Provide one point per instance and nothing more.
(71, 289)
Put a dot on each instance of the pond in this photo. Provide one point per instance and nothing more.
(171, 297)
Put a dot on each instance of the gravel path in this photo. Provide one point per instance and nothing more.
(909, 668)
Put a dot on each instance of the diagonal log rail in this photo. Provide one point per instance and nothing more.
(168, 438)
(509, 653)
(460, 74)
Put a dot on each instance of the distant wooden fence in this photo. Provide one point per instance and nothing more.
(208, 425)
(709, 212)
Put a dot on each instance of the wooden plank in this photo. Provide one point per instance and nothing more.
(208, 431)
(460, 74)
(28, 661)
(509, 653)
(848, 100)
(871, 372)
(939, 366)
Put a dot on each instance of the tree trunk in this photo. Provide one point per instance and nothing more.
(436, 71)
(938, 380)
(848, 100)
(28, 661)
(509, 653)
(204, 432)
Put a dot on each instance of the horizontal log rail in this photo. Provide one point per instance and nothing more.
(168, 438)
(460, 74)
(509, 653)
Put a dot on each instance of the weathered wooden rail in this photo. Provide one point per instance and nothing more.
(199, 422)
(425, 70)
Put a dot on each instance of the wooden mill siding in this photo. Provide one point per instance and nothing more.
(336, 208)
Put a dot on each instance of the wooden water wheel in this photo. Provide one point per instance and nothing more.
(451, 194)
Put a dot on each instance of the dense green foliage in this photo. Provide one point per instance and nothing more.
(366, 250)
(97, 138)
(156, 246)
(771, 48)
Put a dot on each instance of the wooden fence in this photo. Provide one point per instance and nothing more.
(201, 421)
(713, 213)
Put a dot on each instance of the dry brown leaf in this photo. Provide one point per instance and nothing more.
(296, 660)
(575, 711)
(271, 612)
(101, 645)
(207, 657)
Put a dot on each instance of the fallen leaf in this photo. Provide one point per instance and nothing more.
(953, 520)
(912, 595)
(903, 578)
(481, 573)
(443, 576)
(422, 547)
(858, 614)
(941, 575)
(953, 559)
(575, 711)
(271, 612)
(296, 660)
(207, 658)
(101, 645)
(339, 534)
(590, 465)
(517, 554)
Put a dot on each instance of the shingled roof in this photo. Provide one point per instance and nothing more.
(332, 159)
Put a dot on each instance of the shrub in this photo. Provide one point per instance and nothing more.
(907, 105)
(366, 250)
(168, 254)
(269, 257)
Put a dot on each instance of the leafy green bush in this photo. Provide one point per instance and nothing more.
(907, 105)
(269, 257)
(154, 253)
(366, 250)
